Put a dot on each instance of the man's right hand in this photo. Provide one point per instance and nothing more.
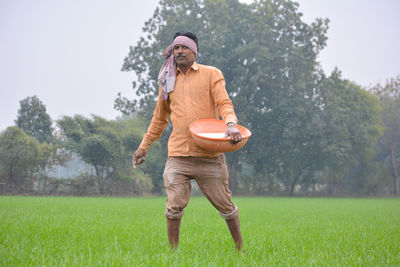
(138, 157)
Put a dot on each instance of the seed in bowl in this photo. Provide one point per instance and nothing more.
(212, 135)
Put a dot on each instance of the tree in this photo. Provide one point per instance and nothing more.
(21, 156)
(351, 128)
(307, 128)
(96, 142)
(267, 54)
(389, 97)
(33, 119)
(131, 130)
(105, 145)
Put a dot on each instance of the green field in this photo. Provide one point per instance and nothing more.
(68, 231)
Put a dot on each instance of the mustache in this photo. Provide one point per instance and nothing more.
(180, 55)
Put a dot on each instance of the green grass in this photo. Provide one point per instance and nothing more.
(67, 231)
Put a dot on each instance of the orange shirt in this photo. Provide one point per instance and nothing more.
(198, 94)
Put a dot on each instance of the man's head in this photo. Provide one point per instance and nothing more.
(190, 35)
(185, 50)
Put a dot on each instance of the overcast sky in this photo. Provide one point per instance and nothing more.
(69, 53)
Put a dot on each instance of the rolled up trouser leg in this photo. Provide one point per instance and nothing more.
(212, 177)
(230, 215)
(178, 188)
(173, 216)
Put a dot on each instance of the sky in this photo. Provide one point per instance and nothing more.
(69, 53)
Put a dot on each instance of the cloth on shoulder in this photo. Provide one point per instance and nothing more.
(168, 71)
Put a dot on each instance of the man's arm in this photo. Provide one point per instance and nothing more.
(225, 106)
(158, 123)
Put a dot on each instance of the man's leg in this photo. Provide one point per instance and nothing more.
(173, 232)
(178, 190)
(234, 228)
(212, 179)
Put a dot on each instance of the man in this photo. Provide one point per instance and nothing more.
(190, 91)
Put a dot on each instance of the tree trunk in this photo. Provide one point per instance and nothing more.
(394, 165)
(99, 175)
(14, 181)
(10, 181)
(294, 184)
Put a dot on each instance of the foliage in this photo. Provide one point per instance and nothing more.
(107, 146)
(389, 97)
(34, 120)
(21, 157)
(266, 52)
(131, 130)
(86, 185)
(308, 129)
(351, 127)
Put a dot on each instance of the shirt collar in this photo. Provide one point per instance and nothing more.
(194, 66)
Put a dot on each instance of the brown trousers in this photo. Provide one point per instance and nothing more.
(211, 174)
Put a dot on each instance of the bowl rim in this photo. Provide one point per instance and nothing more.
(217, 139)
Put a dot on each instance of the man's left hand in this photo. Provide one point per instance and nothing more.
(233, 133)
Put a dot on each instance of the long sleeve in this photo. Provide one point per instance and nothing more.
(221, 98)
(158, 123)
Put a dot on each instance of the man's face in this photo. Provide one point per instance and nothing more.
(183, 55)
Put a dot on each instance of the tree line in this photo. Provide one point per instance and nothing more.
(313, 133)
(31, 148)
